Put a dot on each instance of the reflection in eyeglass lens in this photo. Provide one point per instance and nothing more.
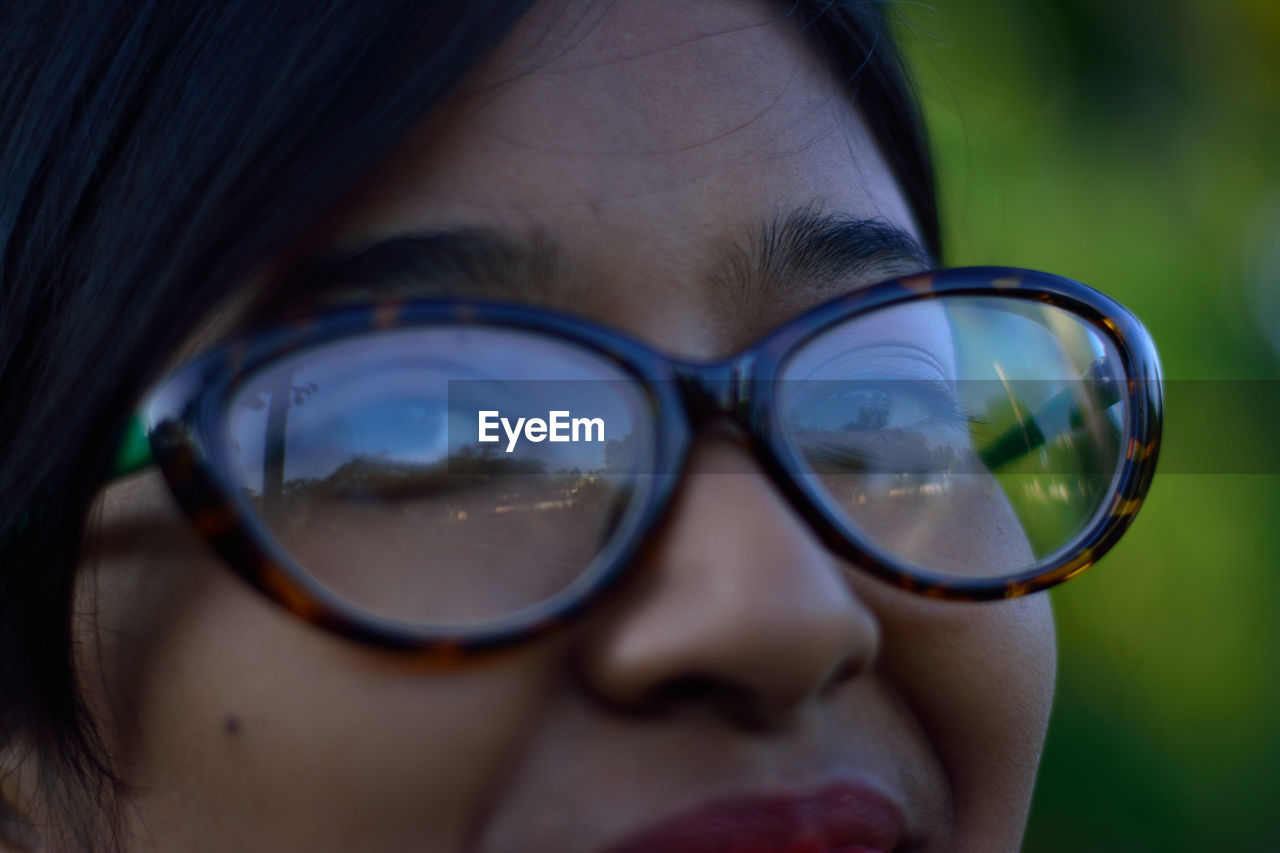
(363, 460)
(969, 436)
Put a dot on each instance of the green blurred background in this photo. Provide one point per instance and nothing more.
(1135, 146)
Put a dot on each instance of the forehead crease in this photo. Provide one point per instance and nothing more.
(667, 81)
(568, 37)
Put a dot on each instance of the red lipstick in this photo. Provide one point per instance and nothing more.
(843, 818)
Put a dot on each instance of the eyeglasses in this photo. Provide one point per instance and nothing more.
(446, 477)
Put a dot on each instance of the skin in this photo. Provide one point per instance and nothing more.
(639, 142)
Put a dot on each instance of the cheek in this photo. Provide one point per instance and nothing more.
(980, 679)
(231, 718)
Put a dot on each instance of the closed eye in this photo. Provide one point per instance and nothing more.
(866, 405)
(911, 426)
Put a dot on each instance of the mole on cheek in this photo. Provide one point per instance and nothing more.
(231, 725)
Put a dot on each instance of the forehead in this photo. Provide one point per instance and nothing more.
(643, 138)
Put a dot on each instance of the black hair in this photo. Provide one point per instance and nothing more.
(153, 154)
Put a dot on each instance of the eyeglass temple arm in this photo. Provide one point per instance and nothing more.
(1103, 390)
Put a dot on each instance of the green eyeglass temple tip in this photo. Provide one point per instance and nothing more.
(134, 453)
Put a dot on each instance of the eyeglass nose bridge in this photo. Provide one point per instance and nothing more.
(715, 391)
(735, 395)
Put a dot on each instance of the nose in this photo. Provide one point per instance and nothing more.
(736, 605)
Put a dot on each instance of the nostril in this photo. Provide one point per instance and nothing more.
(847, 670)
(697, 689)
(736, 702)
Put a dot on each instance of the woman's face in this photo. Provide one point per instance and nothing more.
(744, 679)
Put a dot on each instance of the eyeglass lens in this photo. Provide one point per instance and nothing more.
(969, 436)
(362, 459)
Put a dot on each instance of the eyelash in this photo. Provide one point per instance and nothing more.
(951, 412)
(937, 399)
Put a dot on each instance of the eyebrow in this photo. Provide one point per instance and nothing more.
(806, 252)
(803, 250)
(455, 262)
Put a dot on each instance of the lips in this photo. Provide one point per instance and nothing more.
(843, 818)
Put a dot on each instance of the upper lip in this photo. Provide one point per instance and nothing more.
(841, 816)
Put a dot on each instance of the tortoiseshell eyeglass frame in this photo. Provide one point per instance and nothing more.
(182, 414)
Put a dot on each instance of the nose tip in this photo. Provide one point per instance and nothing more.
(736, 605)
